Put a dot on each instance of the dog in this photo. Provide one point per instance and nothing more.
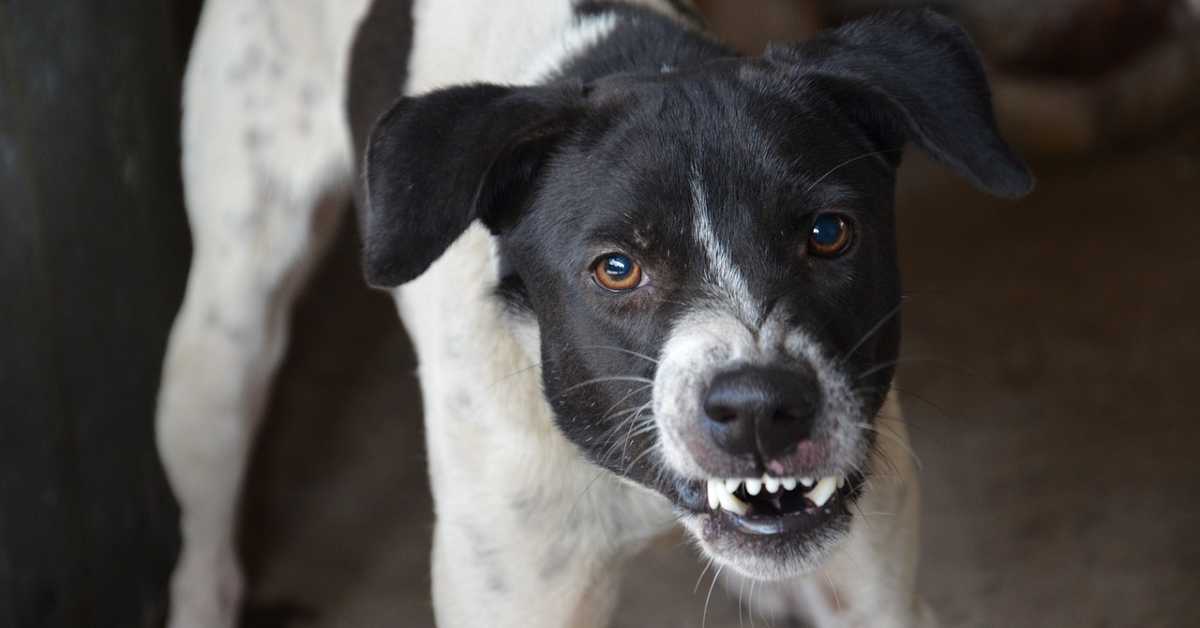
(648, 281)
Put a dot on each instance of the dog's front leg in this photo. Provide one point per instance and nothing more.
(528, 534)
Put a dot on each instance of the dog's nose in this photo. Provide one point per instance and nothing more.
(763, 409)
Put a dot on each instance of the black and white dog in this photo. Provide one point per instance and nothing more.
(648, 281)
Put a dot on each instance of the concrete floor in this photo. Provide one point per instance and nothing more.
(1052, 348)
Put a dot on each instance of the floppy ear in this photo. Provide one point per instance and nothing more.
(436, 163)
(914, 75)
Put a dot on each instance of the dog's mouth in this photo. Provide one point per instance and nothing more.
(769, 527)
(768, 505)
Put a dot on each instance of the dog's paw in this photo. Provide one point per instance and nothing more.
(206, 591)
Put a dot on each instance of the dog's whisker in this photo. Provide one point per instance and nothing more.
(515, 373)
(866, 521)
(708, 598)
(707, 565)
(894, 470)
(870, 332)
(741, 592)
(630, 434)
(895, 438)
(622, 350)
(874, 153)
(633, 419)
(750, 602)
(631, 393)
(958, 368)
(635, 460)
(837, 598)
(609, 378)
(910, 394)
(578, 498)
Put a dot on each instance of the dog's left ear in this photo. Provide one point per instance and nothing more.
(913, 75)
(436, 163)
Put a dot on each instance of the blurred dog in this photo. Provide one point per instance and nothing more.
(695, 251)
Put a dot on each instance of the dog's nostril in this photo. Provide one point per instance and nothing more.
(785, 415)
(720, 413)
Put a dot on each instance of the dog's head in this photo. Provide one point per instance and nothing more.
(708, 255)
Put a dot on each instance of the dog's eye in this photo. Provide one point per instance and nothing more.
(617, 272)
(830, 236)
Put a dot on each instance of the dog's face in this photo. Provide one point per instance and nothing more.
(717, 303)
(708, 256)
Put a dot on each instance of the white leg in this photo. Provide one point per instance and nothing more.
(533, 545)
(266, 172)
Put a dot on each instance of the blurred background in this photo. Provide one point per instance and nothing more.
(1050, 344)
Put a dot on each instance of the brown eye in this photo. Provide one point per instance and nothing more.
(617, 272)
(830, 236)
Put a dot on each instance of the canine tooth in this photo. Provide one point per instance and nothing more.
(714, 499)
(788, 483)
(771, 483)
(753, 486)
(822, 491)
(807, 482)
(731, 503)
(841, 482)
(731, 484)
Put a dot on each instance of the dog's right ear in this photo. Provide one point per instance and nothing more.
(436, 163)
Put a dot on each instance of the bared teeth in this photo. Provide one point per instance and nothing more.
(824, 489)
(714, 494)
(721, 492)
(733, 504)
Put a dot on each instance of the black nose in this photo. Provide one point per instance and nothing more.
(767, 410)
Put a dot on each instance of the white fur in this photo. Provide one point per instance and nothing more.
(528, 533)
(723, 273)
(586, 32)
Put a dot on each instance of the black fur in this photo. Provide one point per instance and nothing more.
(437, 163)
(913, 75)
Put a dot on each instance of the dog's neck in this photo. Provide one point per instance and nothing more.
(618, 37)
(522, 42)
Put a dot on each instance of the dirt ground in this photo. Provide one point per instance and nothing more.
(1051, 346)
